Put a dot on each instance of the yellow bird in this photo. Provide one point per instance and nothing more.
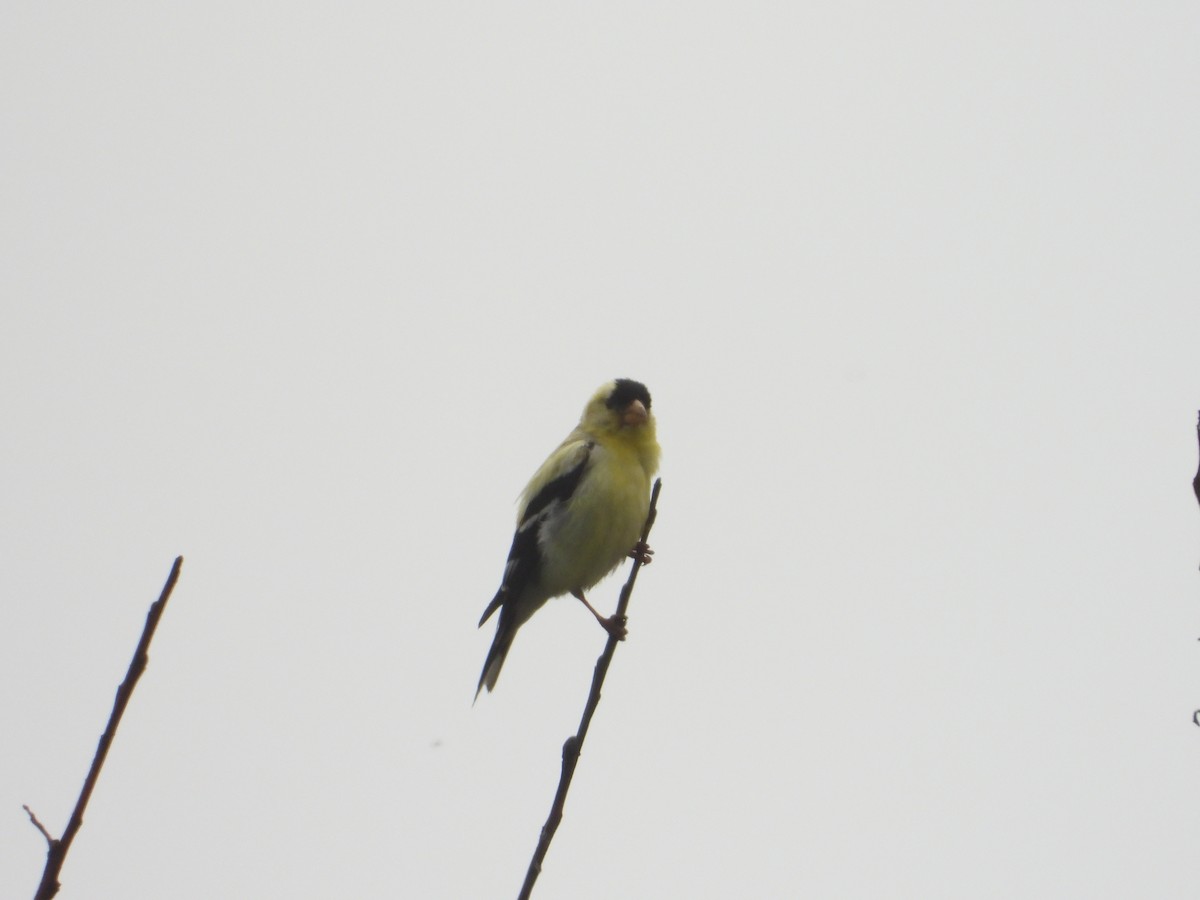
(580, 515)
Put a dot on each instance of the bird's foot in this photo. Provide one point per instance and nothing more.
(615, 626)
(642, 553)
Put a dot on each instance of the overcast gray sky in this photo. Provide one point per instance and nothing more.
(305, 292)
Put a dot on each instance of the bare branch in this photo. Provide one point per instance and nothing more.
(574, 744)
(57, 854)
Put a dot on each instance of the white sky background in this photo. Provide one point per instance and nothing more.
(305, 293)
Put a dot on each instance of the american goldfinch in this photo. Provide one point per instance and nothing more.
(580, 515)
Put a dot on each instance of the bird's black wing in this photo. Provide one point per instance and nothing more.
(525, 555)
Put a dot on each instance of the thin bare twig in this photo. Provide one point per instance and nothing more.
(38, 825)
(1196, 480)
(1196, 489)
(57, 853)
(574, 744)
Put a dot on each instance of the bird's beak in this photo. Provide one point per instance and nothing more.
(635, 414)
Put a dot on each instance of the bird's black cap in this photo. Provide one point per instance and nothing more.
(626, 391)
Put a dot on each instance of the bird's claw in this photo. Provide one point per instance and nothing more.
(642, 553)
(615, 626)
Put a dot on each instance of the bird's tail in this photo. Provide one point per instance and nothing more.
(495, 658)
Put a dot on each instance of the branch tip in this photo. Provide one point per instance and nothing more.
(57, 854)
(37, 824)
